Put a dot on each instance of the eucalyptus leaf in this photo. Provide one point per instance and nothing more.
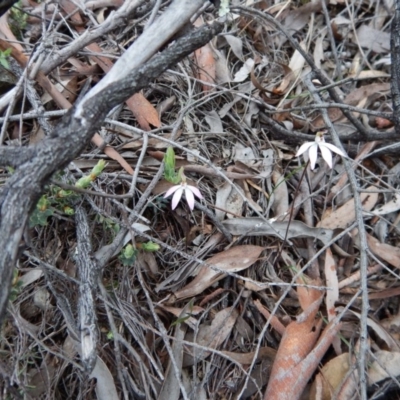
(260, 227)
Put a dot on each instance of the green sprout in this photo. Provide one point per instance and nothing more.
(60, 199)
(149, 246)
(85, 181)
(128, 255)
(4, 58)
(16, 286)
(41, 212)
(110, 336)
(169, 167)
(18, 19)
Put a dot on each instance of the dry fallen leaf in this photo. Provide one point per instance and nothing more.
(144, 111)
(386, 362)
(356, 95)
(233, 260)
(372, 39)
(381, 332)
(391, 206)
(253, 226)
(204, 58)
(280, 196)
(210, 336)
(297, 19)
(292, 71)
(236, 45)
(247, 358)
(221, 199)
(332, 374)
(274, 321)
(352, 99)
(388, 253)
(345, 215)
(244, 71)
(332, 295)
(190, 320)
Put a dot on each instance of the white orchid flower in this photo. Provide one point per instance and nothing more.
(178, 190)
(325, 148)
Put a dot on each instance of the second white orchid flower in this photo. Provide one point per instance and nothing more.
(325, 148)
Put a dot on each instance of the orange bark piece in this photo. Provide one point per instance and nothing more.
(275, 323)
(204, 58)
(297, 342)
(307, 296)
(297, 358)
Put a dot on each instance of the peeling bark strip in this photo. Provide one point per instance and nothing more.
(88, 273)
(69, 138)
(395, 54)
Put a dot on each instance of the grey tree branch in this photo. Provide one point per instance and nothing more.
(88, 274)
(69, 138)
(14, 156)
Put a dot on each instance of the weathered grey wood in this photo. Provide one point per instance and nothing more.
(89, 271)
(395, 55)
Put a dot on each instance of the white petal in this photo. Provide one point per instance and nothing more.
(304, 147)
(172, 190)
(189, 198)
(326, 155)
(177, 197)
(195, 191)
(333, 148)
(313, 154)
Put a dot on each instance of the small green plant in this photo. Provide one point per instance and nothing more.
(57, 199)
(169, 167)
(149, 246)
(108, 224)
(18, 19)
(129, 253)
(110, 336)
(85, 181)
(16, 286)
(4, 58)
(41, 212)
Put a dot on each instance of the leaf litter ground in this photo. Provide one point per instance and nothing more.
(265, 274)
